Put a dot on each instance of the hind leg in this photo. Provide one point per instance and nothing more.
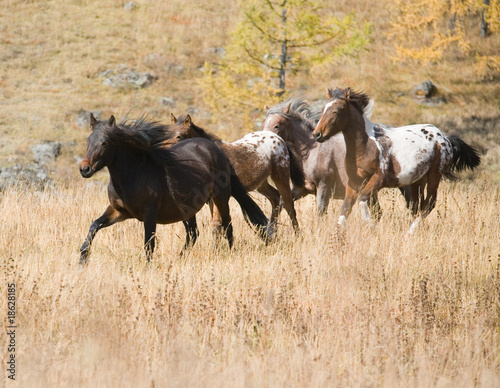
(282, 183)
(417, 194)
(323, 197)
(192, 233)
(222, 209)
(374, 206)
(273, 196)
(109, 217)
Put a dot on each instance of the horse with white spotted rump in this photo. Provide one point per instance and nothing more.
(376, 157)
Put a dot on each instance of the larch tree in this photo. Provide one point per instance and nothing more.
(425, 30)
(272, 43)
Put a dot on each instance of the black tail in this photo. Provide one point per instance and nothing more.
(251, 211)
(296, 171)
(464, 156)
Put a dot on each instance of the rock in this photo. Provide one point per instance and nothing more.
(129, 6)
(83, 119)
(426, 89)
(32, 174)
(46, 152)
(167, 101)
(427, 93)
(122, 77)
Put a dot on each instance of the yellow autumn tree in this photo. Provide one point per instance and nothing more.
(425, 30)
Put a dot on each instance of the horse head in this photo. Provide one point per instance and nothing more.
(279, 123)
(333, 119)
(99, 150)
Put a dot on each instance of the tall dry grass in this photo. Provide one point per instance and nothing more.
(371, 308)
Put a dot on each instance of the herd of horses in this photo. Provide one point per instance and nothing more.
(161, 174)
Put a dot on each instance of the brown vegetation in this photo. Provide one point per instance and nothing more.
(368, 308)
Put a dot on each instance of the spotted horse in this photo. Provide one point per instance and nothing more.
(376, 157)
(255, 158)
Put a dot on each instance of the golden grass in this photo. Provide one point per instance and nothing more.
(372, 308)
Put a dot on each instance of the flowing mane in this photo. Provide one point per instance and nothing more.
(358, 98)
(297, 109)
(142, 134)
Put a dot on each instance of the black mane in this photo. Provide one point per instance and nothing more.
(142, 134)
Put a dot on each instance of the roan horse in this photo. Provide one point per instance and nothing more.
(255, 158)
(376, 157)
(161, 186)
(323, 163)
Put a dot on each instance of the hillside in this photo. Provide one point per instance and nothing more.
(370, 306)
(54, 54)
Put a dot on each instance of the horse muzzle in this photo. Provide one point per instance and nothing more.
(318, 137)
(86, 169)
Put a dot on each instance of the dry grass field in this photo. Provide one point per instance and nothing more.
(371, 307)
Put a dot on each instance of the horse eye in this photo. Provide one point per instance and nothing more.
(276, 127)
(105, 143)
(178, 137)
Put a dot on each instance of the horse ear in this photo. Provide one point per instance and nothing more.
(286, 109)
(266, 108)
(187, 121)
(112, 121)
(347, 94)
(172, 118)
(329, 93)
(93, 121)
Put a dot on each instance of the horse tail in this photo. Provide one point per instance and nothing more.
(464, 156)
(251, 211)
(296, 170)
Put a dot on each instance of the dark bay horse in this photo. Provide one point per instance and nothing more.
(376, 157)
(323, 163)
(255, 158)
(161, 186)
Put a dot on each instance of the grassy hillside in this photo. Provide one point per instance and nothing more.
(371, 308)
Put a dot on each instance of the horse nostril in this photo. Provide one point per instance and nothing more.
(316, 135)
(86, 170)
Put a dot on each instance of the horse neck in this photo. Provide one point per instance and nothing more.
(301, 138)
(125, 162)
(355, 135)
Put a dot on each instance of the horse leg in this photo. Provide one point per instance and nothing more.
(150, 232)
(222, 209)
(281, 182)
(349, 200)
(417, 193)
(273, 196)
(323, 197)
(366, 195)
(108, 218)
(430, 199)
(192, 233)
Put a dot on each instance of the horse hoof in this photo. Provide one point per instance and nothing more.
(83, 260)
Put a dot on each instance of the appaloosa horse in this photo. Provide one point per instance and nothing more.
(323, 163)
(255, 158)
(376, 157)
(161, 186)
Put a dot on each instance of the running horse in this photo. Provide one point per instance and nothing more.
(255, 158)
(376, 157)
(161, 186)
(323, 163)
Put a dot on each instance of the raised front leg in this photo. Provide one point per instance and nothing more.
(191, 232)
(366, 196)
(350, 199)
(108, 218)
